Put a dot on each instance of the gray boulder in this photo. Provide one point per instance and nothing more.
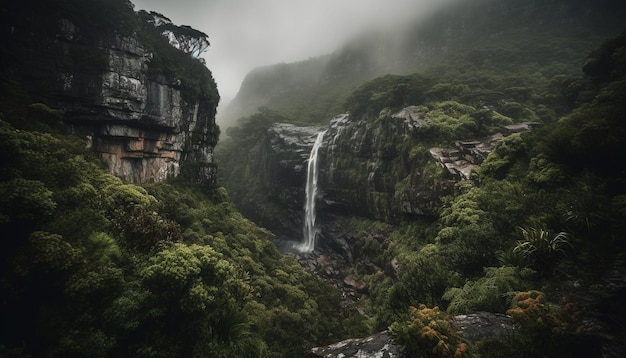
(474, 327)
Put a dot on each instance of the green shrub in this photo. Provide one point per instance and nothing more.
(541, 248)
(491, 293)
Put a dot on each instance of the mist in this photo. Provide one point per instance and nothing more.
(245, 34)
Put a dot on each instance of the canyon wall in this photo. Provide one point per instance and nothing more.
(145, 118)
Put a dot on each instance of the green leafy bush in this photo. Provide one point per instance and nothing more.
(491, 293)
(541, 248)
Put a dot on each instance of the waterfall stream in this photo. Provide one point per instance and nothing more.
(309, 229)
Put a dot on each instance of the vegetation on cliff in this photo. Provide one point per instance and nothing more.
(543, 212)
(36, 32)
(536, 232)
(93, 266)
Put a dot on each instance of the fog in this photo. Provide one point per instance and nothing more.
(245, 34)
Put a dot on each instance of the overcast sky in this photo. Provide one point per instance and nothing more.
(245, 34)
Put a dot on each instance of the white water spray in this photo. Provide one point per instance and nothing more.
(309, 229)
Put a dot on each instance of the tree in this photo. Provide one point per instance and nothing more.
(187, 39)
(183, 37)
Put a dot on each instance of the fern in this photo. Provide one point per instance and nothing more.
(492, 293)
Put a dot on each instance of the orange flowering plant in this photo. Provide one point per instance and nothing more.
(548, 329)
(531, 310)
(429, 332)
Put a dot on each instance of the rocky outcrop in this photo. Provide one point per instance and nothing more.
(365, 168)
(379, 345)
(369, 169)
(291, 146)
(374, 168)
(135, 114)
(468, 154)
(116, 117)
(473, 327)
(483, 325)
(141, 126)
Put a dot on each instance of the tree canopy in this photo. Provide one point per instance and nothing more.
(183, 37)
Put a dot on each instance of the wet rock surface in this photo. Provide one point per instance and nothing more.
(483, 325)
(379, 345)
(468, 154)
(474, 327)
(334, 269)
(135, 117)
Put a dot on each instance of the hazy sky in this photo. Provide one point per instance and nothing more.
(245, 34)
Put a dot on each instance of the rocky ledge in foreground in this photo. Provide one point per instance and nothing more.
(379, 345)
(475, 326)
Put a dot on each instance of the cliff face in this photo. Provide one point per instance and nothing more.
(380, 168)
(141, 126)
(365, 167)
(136, 115)
(370, 169)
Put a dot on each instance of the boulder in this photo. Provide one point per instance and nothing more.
(474, 327)
(379, 345)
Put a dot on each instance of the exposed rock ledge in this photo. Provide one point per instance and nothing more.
(145, 123)
(379, 345)
(141, 127)
(474, 327)
(468, 154)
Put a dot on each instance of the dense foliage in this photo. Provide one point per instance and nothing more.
(544, 211)
(92, 266)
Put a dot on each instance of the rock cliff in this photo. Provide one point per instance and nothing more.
(380, 169)
(143, 118)
(140, 125)
(370, 169)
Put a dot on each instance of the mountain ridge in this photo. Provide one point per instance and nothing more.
(454, 30)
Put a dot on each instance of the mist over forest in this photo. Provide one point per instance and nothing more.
(432, 179)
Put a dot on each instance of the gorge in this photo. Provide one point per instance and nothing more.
(461, 195)
(429, 182)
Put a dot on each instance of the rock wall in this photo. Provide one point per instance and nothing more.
(365, 166)
(134, 114)
(140, 125)
(474, 327)
(378, 168)
(369, 169)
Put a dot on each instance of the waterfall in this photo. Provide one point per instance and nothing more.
(309, 229)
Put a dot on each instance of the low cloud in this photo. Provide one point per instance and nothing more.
(245, 34)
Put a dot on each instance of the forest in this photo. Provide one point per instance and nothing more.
(93, 266)
(535, 233)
